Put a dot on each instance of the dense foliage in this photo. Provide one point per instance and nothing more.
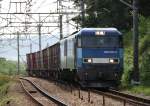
(106, 13)
(144, 7)
(9, 67)
(144, 53)
(7, 70)
(145, 50)
(112, 13)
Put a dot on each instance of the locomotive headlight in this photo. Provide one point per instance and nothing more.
(101, 33)
(111, 60)
(87, 60)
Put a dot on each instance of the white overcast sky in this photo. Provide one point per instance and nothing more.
(8, 48)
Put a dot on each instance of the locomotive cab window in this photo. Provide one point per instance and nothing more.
(91, 41)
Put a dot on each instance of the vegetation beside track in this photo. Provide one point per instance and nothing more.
(144, 54)
(5, 81)
(142, 89)
(144, 59)
(8, 70)
(9, 67)
(4, 99)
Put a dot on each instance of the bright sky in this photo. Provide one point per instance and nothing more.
(8, 46)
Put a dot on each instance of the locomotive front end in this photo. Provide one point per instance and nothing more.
(99, 57)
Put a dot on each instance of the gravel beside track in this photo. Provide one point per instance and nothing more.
(134, 98)
(19, 97)
(64, 93)
(38, 96)
(74, 98)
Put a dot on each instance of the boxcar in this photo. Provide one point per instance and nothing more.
(34, 61)
(38, 60)
(54, 59)
(28, 62)
(45, 58)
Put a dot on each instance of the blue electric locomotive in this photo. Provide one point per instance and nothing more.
(93, 57)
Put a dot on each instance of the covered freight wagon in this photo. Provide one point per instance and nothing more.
(44, 63)
(53, 59)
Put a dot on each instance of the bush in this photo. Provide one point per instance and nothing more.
(128, 60)
(3, 90)
(145, 69)
(3, 97)
(144, 53)
(140, 90)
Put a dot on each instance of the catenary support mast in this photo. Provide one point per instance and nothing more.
(135, 42)
(18, 52)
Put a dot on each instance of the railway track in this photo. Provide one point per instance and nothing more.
(125, 98)
(104, 96)
(41, 97)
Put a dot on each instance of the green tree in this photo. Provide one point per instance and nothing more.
(110, 13)
(106, 13)
(144, 50)
(144, 7)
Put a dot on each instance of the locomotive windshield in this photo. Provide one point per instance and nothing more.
(100, 41)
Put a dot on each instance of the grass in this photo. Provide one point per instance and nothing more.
(5, 82)
(4, 100)
(3, 92)
(141, 89)
(7, 76)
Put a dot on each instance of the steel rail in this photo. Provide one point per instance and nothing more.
(45, 93)
(126, 98)
(143, 100)
(28, 93)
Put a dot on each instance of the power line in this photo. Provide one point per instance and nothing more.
(27, 16)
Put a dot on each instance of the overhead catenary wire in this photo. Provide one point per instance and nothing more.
(48, 32)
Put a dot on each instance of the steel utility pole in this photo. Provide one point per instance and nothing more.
(59, 10)
(82, 12)
(18, 51)
(134, 6)
(61, 29)
(135, 42)
(30, 47)
(40, 45)
(39, 30)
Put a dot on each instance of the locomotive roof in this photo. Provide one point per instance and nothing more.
(108, 31)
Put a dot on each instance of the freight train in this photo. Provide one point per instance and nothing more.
(93, 57)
